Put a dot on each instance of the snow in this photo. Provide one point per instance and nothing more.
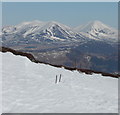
(37, 27)
(29, 24)
(98, 31)
(65, 30)
(56, 38)
(95, 30)
(30, 88)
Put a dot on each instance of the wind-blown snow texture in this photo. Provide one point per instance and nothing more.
(30, 87)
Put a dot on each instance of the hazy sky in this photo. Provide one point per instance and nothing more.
(69, 13)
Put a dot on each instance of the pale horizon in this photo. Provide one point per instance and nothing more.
(69, 13)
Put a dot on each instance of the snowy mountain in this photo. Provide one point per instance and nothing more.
(38, 31)
(96, 30)
(28, 87)
(41, 31)
(58, 44)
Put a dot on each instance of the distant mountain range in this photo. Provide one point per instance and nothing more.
(91, 46)
(54, 31)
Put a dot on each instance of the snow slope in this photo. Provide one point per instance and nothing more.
(30, 87)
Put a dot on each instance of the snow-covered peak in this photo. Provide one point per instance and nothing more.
(22, 27)
(56, 29)
(95, 25)
(27, 25)
(52, 24)
(97, 30)
(38, 30)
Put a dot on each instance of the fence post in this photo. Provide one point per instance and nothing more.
(60, 78)
(56, 79)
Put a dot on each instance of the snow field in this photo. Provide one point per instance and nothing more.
(30, 88)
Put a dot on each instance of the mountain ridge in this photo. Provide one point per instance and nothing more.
(53, 30)
(57, 44)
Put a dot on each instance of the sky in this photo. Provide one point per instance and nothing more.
(70, 13)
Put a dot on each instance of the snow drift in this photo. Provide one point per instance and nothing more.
(30, 87)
